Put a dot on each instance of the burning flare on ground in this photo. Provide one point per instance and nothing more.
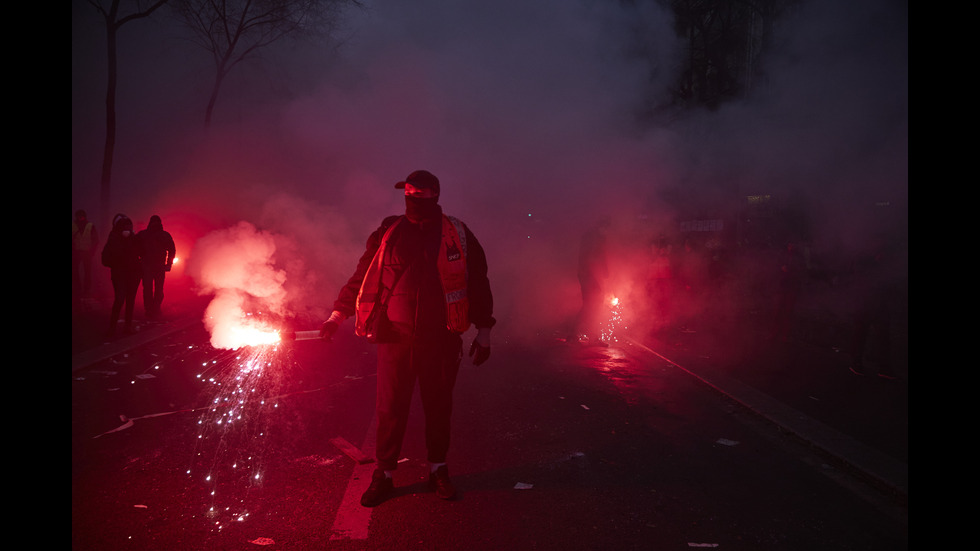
(237, 265)
(615, 323)
(231, 327)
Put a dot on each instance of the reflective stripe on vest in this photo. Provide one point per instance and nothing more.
(452, 271)
(367, 297)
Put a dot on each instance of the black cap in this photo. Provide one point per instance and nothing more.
(422, 179)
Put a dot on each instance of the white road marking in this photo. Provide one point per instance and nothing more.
(352, 518)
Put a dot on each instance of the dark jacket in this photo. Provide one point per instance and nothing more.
(417, 304)
(592, 260)
(157, 247)
(121, 254)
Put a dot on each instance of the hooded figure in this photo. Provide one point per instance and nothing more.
(157, 251)
(121, 255)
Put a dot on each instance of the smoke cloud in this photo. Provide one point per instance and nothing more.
(237, 265)
(526, 111)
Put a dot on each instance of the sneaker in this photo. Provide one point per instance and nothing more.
(439, 481)
(379, 490)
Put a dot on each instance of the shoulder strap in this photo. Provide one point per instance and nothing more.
(461, 230)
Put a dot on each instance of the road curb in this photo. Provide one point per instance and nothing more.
(107, 350)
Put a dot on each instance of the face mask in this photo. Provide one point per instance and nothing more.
(421, 208)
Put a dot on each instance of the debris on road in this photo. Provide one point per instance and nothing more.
(351, 450)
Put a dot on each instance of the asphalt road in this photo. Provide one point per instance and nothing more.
(647, 444)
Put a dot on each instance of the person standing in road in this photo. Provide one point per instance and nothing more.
(876, 287)
(84, 240)
(593, 271)
(792, 272)
(420, 284)
(122, 256)
(157, 251)
(660, 280)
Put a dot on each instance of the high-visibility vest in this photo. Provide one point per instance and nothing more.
(452, 272)
(451, 264)
(82, 237)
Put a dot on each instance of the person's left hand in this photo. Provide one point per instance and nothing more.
(480, 349)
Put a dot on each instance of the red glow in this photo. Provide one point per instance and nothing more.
(254, 336)
(247, 333)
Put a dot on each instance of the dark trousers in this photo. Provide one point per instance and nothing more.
(589, 316)
(153, 289)
(81, 263)
(433, 364)
(786, 299)
(872, 318)
(124, 287)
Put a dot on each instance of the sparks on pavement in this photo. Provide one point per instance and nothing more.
(241, 387)
(615, 323)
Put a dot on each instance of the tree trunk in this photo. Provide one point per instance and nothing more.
(110, 120)
(214, 98)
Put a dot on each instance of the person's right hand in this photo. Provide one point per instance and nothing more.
(330, 326)
(328, 329)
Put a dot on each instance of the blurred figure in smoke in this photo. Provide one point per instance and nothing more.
(716, 289)
(84, 240)
(689, 268)
(792, 270)
(593, 270)
(122, 256)
(419, 285)
(157, 251)
(874, 282)
(659, 283)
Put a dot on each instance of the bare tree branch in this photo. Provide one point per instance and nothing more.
(109, 9)
(235, 30)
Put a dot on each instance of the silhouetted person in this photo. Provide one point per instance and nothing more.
(792, 271)
(716, 292)
(875, 288)
(593, 270)
(84, 240)
(660, 282)
(690, 272)
(420, 284)
(121, 255)
(157, 253)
